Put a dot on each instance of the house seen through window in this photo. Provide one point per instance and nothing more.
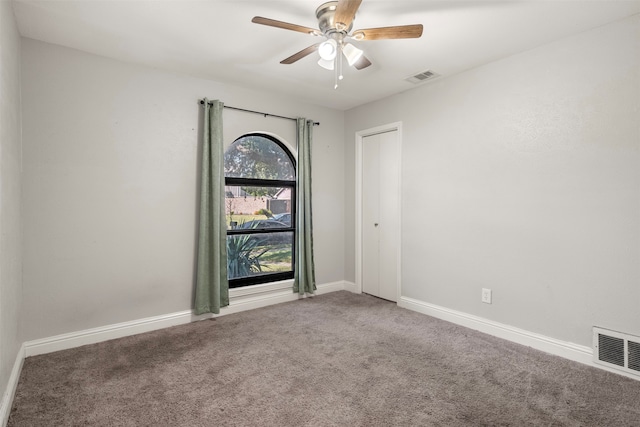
(260, 189)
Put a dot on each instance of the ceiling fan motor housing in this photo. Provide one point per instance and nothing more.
(326, 21)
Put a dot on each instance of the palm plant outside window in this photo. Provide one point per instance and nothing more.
(260, 189)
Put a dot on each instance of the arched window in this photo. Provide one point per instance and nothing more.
(260, 187)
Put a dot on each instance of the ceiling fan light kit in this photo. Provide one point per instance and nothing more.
(326, 64)
(328, 50)
(352, 53)
(335, 21)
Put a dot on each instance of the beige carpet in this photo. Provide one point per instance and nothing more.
(334, 360)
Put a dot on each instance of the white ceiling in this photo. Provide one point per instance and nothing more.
(215, 39)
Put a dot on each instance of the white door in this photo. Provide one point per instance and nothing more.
(380, 215)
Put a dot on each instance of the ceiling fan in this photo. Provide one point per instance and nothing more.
(335, 21)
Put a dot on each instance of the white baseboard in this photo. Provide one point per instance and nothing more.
(568, 350)
(244, 302)
(104, 333)
(352, 287)
(239, 301)
(10, 391)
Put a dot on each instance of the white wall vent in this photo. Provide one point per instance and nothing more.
(421, 77)
(616, 350)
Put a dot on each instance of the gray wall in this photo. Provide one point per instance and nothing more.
(110, 185)
(10, 188)
(523, 176)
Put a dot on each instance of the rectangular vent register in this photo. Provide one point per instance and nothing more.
(616, 350)
(421, 77)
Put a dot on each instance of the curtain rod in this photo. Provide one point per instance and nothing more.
(259, 112)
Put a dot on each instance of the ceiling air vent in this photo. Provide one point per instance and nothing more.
(616, 350)
(421, 77)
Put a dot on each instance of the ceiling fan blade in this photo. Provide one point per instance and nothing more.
(284, 25)
(297, 56)
(382, 33)
(361, 63)
(346, 11)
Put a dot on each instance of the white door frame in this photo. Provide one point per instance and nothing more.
(360, 135)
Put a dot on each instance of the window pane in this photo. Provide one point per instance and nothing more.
(258, 207)
(255, 254)
(257, 157)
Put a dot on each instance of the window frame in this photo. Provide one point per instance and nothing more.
(265, 278)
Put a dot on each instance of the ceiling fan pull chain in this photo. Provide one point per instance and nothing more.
(340, 55)
(337, 64)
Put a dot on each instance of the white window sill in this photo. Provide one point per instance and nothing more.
(261, 290)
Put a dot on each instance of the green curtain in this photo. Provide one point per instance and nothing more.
(304, 276)
(212, 286)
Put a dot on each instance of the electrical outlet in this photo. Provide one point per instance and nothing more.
(486, 295)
